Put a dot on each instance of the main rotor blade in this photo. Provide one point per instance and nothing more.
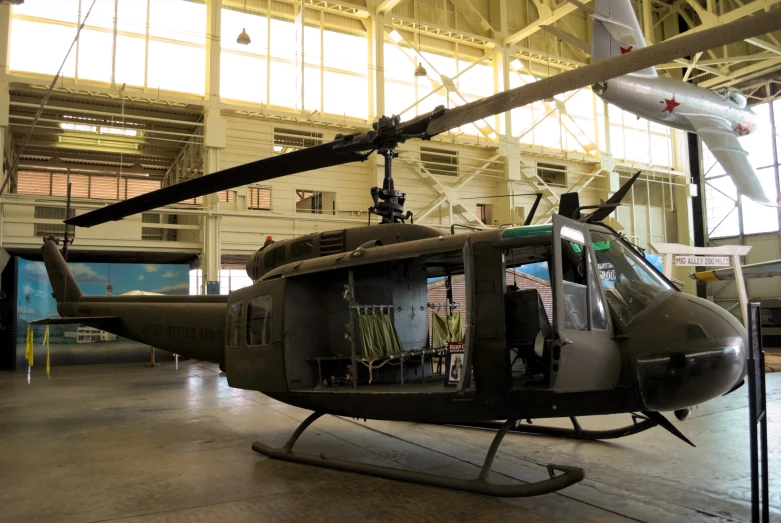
(637, 59)
(601, 214)
(298, 161)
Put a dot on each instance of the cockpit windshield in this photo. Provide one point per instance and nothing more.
(629, 281)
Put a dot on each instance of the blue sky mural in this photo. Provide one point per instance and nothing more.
(92, 278)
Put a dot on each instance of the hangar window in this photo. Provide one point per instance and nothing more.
(727, 212)
(158, 233)
(83, 186)
(143, 42)
(552, 174)
(193, 201)
(56, 214)
(439, 161)
(136, 187)
(259, 198)
(484, 211)
(259, 321)
(287, 140)
(227, 196)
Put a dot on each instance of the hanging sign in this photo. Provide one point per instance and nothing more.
(708, 261)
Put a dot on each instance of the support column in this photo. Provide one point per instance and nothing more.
(214, 140)
(509, 148)
(648, 23)
(377, 58)
(5, 99)
(505, 208)
(213, 22)
(699, 218)
(211, 257)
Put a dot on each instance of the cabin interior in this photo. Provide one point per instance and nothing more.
(411, 350)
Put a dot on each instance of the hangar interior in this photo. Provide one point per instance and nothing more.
(158, 92)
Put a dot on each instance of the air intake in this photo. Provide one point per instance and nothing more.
(331, 242)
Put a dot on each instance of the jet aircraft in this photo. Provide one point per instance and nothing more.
(718, 117)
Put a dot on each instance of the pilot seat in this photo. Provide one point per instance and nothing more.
(527, 329)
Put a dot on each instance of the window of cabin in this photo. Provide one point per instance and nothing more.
(259, 198)
(439, 161)
(268, 260)
(302, 248)
(288, 140)
(484, 211)
(227, 196)
(234, 325)
(259, 320)
(579, 273)
(279, 256)
(552, 174)
(315, 202)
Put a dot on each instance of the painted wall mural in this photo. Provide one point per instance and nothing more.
(78, 344)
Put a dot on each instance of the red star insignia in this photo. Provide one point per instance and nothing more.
(625, 50)
(670, 105)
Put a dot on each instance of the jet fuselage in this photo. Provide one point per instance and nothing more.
(668, 102)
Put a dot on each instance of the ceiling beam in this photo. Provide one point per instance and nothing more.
(387, 5)
(739, 74)
(533, 27)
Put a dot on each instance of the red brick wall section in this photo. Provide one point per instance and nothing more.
(437, 293)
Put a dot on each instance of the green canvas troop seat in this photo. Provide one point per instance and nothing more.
(446, 329)
(378, 335)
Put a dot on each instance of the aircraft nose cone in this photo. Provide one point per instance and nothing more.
(685, 351)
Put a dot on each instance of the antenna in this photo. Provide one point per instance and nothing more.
(67, 227)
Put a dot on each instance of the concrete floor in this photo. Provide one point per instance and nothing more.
(129, 443)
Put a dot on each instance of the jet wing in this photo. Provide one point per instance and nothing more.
(723, 142)
(755, 270)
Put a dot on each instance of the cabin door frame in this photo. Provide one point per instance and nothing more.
(584, 354)
(254, 337)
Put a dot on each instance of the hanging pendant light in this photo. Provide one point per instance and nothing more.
(243, 37)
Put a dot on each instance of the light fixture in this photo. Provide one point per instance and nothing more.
(243, 37)
(516, 64)
(396, 36)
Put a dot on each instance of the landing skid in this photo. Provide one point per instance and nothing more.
(479, 485)
(577, 432)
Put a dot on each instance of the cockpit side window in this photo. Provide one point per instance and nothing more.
(628, 280)
(578, 276)
(234, 325)
(259, 314)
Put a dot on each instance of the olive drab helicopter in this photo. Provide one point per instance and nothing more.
(302, 334)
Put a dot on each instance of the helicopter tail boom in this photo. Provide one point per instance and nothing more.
(64, 285)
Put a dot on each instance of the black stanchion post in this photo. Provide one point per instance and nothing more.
(757, 407)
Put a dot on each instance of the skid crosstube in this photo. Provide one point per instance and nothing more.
(479, 485)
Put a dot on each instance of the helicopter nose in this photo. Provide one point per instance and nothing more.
(685, 351)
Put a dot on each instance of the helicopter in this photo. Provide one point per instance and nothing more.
(337, 322)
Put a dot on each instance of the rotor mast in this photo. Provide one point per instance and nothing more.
(391, 208)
